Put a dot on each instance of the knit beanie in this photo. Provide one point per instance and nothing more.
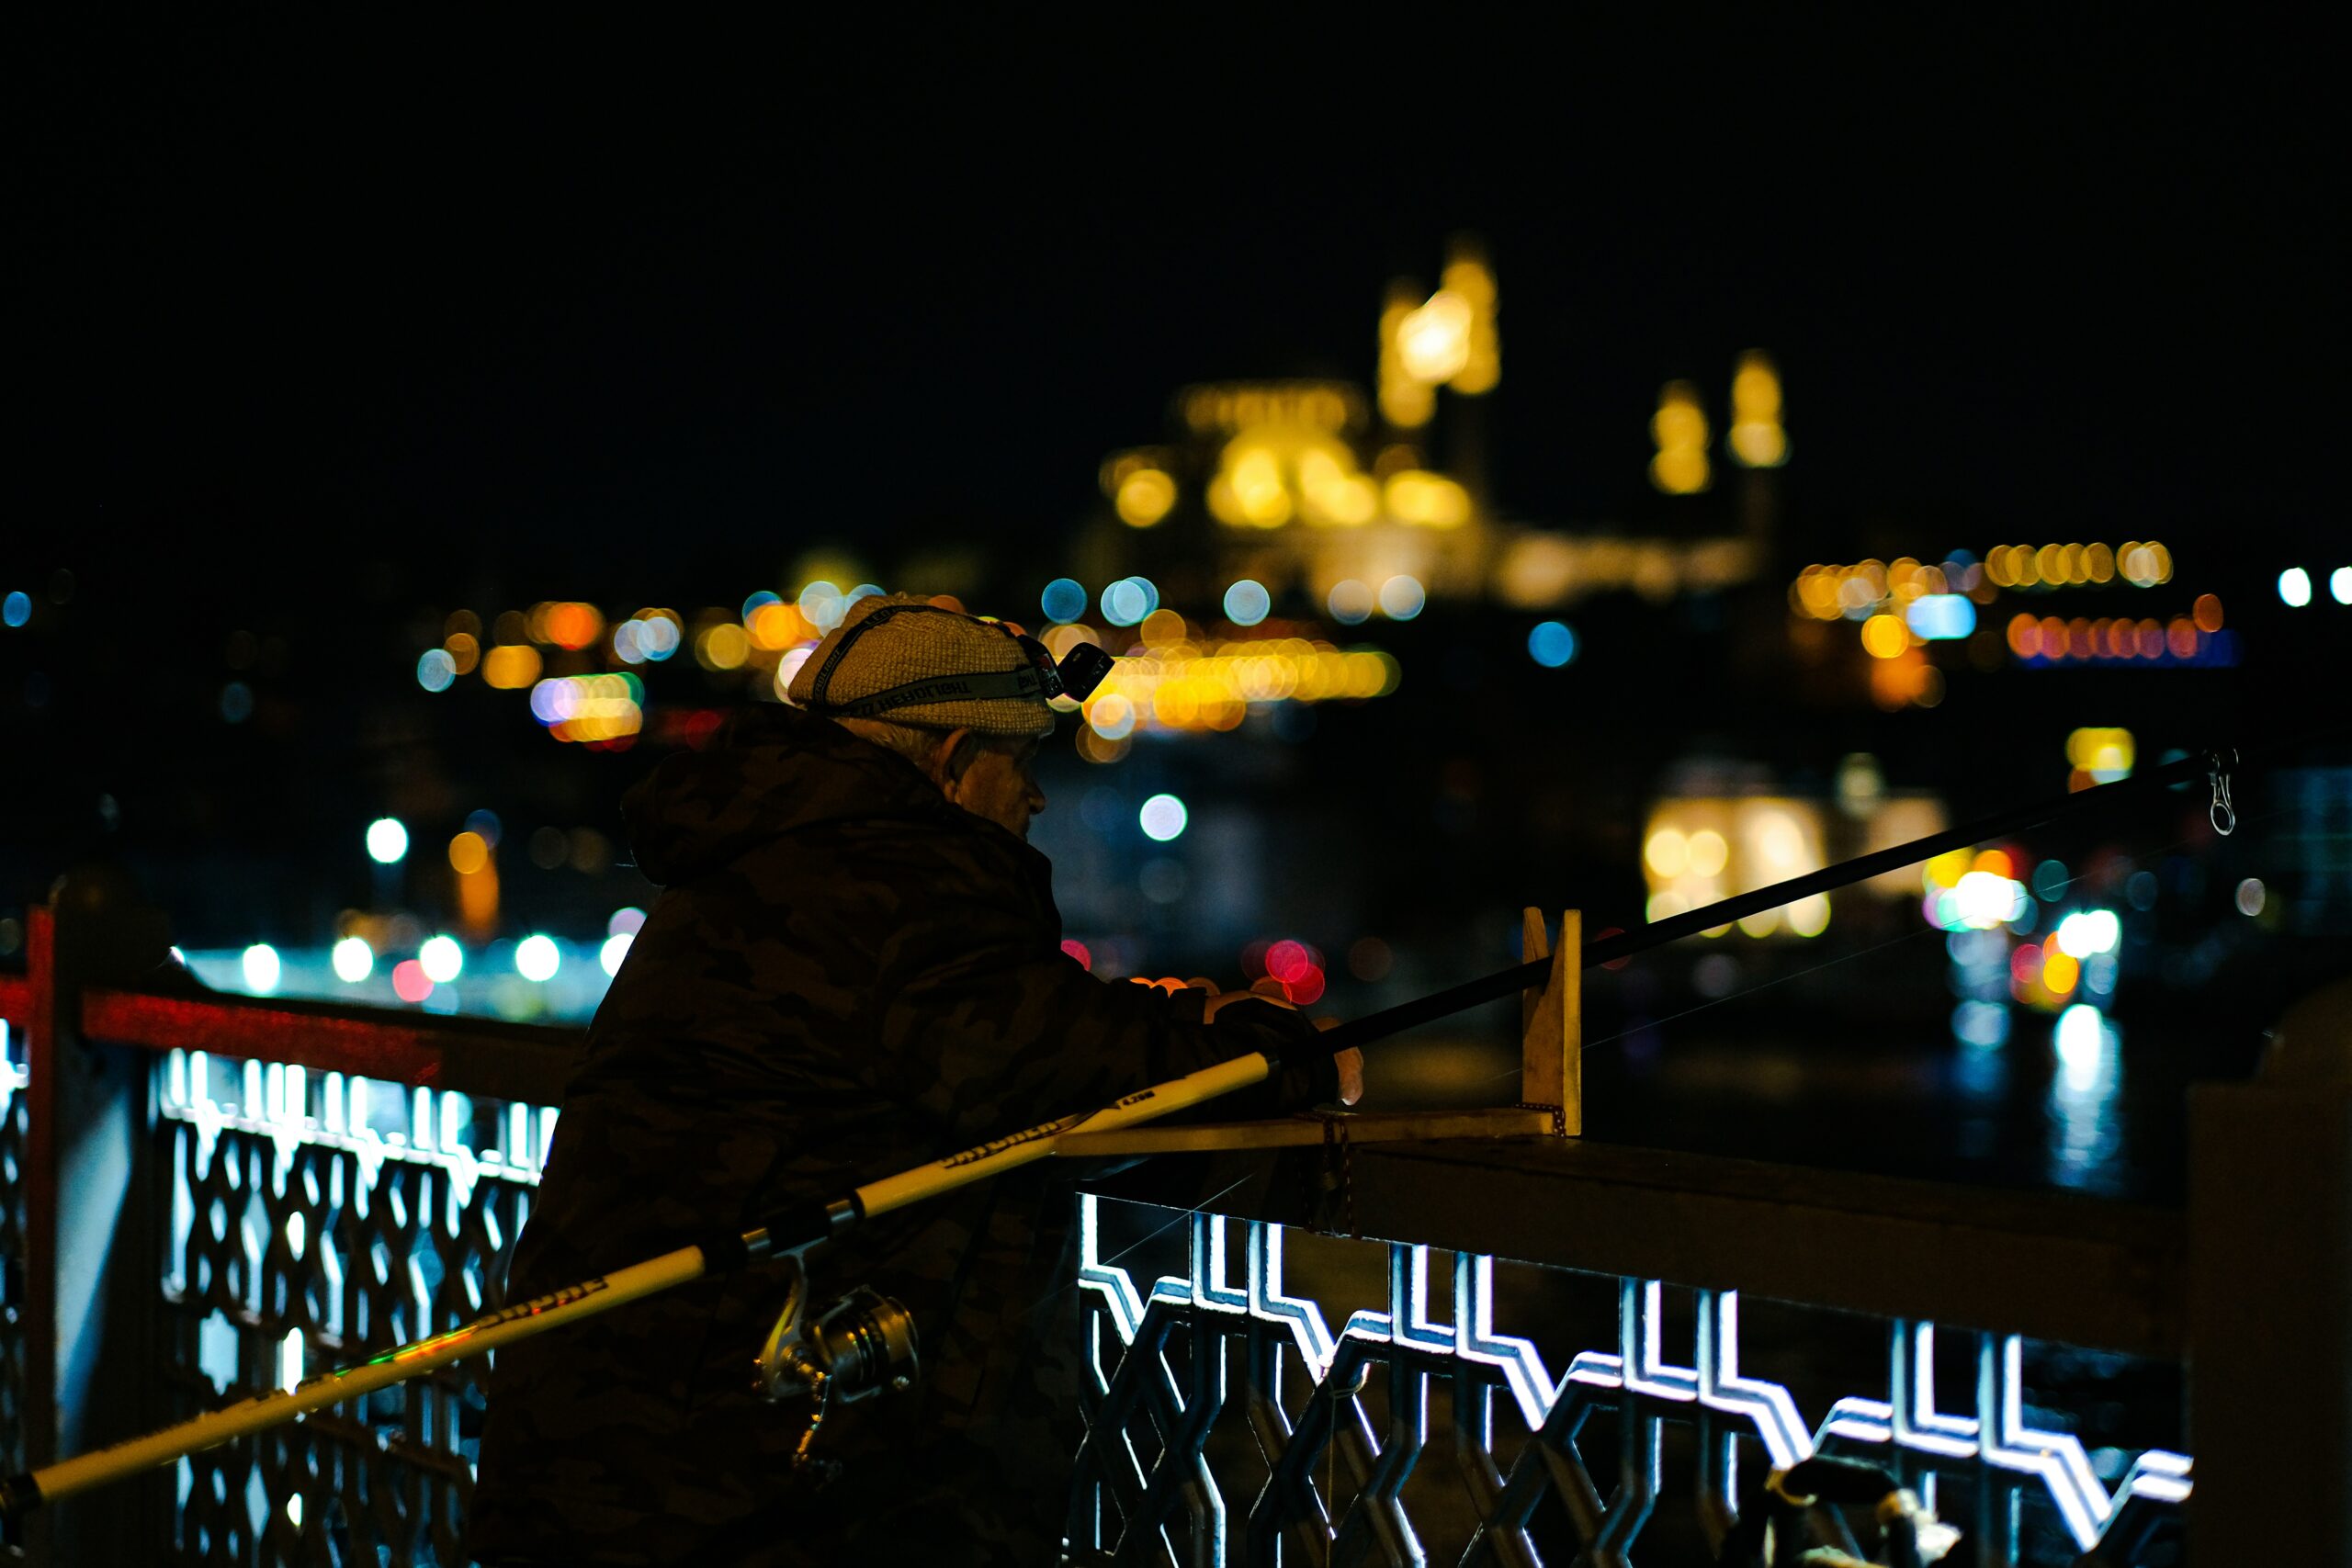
(901, 657)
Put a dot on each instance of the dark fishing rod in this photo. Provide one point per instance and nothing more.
(2215, 766)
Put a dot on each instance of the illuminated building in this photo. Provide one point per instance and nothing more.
(1327, 497)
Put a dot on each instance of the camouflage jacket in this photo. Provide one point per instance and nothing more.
(845, 975)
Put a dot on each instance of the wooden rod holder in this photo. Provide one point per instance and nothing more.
(1551, 1065)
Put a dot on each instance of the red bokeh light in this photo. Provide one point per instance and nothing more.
(410, 982)
(1307, 986)
(1288, 962)
(1078, 950)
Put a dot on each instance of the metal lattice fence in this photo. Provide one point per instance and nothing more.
(1228, 1424)
(314, 1216)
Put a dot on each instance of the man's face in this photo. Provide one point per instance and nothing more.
(1001, 785)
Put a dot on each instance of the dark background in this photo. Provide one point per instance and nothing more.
(318, 333)
(603, 310)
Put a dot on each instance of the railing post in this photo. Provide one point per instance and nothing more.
(2270, 1321)
(40, 1183)
(93, 1241)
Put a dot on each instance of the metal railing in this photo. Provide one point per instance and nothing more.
(249, 1191)
(206, 1195)
(1312, 1438)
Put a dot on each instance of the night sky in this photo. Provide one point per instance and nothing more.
(585, 312)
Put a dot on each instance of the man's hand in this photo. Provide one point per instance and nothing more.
(1348, 1062)
(1351, 1064)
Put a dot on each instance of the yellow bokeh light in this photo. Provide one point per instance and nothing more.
(722, 646)
(1667, 852)
(1946, 870)
(2101, 751)
(1777, 841)
(1809, 916)
(1405, 401)
(1161, 627)
(1434, 341)
(1757, 439)
(1144, 497)
(779, 625)
(1708, 852)
(1468, 276)
(1250, 491)
(511, 665)
(465, 651)
(1679, 428)
(468, 852)
(1426, 500)
(1886, 637)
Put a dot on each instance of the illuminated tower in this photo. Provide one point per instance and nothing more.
(1758, 444)
(1448, 340)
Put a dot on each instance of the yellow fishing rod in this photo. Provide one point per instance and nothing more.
(789, 1233)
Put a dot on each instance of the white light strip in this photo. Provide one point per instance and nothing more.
(1908, 1420)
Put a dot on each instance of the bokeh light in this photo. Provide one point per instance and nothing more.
(262, 968)
(822, 606)
(441, 958)
(1402, 598)
(353, 959)
(1351, 602)
(17, 608)
(1552, 644)
(435, 671)
(1144, 497)
(2088, 931)
(410, 982)
(387, 840)
(615, 948)
(2295, 587)
(537, 958)
(1162, 817)
(1246, 602)
(1128, 601)
(1063, 600)
(468, 852)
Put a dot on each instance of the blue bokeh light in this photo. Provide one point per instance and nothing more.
(1246, 602)
(1552, 644)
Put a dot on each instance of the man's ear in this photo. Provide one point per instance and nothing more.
(941, 767)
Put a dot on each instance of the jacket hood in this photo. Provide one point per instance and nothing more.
(770, 771)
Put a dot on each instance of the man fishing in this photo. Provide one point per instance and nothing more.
(855, 966)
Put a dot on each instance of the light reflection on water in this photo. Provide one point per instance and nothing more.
(2084, 1130)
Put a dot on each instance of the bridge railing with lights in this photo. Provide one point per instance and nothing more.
(1533, 1351)
(205, 1196)
(208, 1196)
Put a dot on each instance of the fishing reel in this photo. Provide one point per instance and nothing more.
(863, 1344)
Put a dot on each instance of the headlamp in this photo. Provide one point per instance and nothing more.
(1081, 669)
